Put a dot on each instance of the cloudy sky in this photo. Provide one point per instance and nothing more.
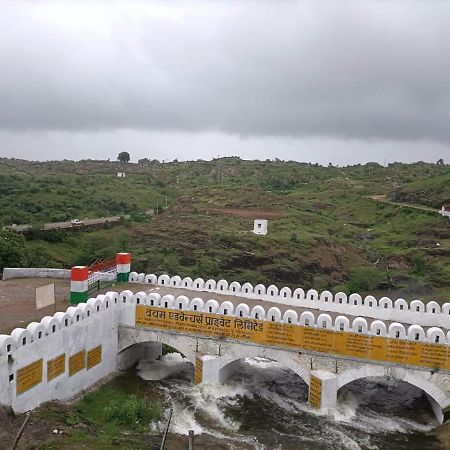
(320, 81)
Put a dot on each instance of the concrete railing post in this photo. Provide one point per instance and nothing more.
(123, 261)
(79, 284)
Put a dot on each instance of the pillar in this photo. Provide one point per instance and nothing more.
(123, 261)
(323, 389)
(207, 369)
(79, 284)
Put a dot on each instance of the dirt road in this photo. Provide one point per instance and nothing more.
(64, 225)
(383, 198)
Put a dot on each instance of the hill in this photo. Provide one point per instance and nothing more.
(329, 233)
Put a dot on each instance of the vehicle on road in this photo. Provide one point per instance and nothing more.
(76, 222)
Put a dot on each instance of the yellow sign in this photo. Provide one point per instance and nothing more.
(356, 345)
(77, 362)
(315, 392)
(198, 376)
(56, 367)
(29, 376)
(199, 323)
(94, 357)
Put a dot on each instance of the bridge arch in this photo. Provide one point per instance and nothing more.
(287, 359)
(438, 398)
(178, 342)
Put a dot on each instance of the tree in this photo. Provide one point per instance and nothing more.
(419, 264)
(13, 252)
(123, 157)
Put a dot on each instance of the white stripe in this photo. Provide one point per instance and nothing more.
(79, 286)
(123, 268)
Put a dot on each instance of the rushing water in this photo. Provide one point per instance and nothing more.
(264, 406)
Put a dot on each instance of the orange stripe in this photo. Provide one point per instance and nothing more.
(79, 273)
(123, 258)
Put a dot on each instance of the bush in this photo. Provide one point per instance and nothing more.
(13, 251)
(419, 264)
(132, 411)
(364, 279)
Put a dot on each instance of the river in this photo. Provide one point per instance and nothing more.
(263, 406)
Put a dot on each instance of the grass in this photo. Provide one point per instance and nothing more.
(106, 418)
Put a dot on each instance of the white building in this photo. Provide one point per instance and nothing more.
(121, 174)
(445, 211)
(260, 227)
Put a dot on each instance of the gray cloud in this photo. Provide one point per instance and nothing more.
(353, 70)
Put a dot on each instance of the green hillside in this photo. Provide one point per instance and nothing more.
(329, 235)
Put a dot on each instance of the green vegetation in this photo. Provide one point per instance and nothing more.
(106, 418)
(123, 157)
(330, 233)
(365, 279)
(132, 411)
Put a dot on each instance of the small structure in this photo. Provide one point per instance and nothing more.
(260, 227)
(445, 211)
(121, 174)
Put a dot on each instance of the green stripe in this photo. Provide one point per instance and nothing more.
(123, 277)
(78, 297)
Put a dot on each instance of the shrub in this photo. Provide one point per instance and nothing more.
(364, 279)
(419, 264)
(132, 411)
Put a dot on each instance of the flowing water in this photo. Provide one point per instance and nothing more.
(264, 406)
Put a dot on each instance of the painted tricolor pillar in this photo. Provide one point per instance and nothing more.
(123, 261)
(79, 284)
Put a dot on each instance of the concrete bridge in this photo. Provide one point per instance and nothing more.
(64, 354)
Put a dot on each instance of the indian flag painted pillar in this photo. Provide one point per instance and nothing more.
(123, 261)
(79, 284)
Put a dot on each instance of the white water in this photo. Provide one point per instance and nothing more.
(259, 383)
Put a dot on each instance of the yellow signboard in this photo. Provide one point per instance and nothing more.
(77, 362)
(315, 392)
(29, 376)
(94, 357)
(198, 376)
(56, 367)
(355, 345)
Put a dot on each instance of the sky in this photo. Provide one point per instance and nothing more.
(318, 81)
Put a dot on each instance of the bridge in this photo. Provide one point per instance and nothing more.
(328, 340)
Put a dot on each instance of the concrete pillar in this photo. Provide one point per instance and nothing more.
(323, 389)
(206, 369)
(79, 284)
(123, 261)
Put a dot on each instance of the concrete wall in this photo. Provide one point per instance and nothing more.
(9, 273)
(394, 330)
(414, 312)
(82, 328)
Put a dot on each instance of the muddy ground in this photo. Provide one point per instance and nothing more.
(247, 213)
(17, 301)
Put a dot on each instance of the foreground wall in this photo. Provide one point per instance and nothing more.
(60, 356)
